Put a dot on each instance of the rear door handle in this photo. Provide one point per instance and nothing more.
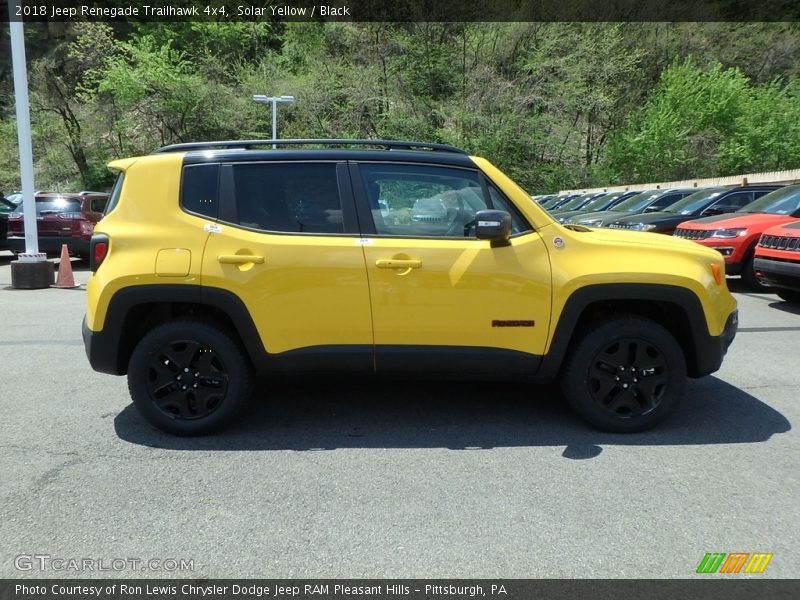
(395, 263)
(239, 259)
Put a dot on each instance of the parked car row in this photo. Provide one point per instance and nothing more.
(61, 218)
(729, 219)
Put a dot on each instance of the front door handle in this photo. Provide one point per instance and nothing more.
(397, 263)
(240, 259)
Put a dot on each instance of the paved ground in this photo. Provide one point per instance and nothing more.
(415, 479)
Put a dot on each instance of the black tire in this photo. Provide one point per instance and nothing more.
(189, 378)
(749, 277)
(789, 296)
(625, 375)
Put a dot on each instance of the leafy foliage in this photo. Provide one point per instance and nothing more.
(555, 105)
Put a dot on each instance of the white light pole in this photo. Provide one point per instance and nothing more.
(24, 135)
(274, 100)
(31, 270)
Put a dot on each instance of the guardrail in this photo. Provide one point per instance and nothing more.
(787, 177)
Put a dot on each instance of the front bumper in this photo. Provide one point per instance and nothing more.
(778, 273)
(712, 349)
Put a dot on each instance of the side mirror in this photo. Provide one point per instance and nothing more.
(717, 210)
(493, 225)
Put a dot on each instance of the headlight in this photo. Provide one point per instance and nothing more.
(641, 226)
(728, 233)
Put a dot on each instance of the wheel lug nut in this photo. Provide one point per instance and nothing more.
(197, 374)
(635, 380)
(178, 378)
(185, 369)
(621, 368)
(625, 386)
(195, 385)
(183, 387)
(616, 378)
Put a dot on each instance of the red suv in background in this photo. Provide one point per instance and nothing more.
(735, 234)
(777, 260)
(60, 219)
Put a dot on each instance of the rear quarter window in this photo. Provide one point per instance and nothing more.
(113, 199)
(200, 189)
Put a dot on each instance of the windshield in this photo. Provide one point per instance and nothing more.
(696, 201)
(601, 202)
(50, 206)
(785, 201)
(574, 203)
(638, 202)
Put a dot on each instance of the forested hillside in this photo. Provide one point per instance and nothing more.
(556, 105)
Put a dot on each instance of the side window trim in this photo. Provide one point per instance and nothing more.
(228, 211)
(363, 212)
(352, 225)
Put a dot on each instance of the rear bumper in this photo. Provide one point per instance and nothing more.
(100, 349)
(51, 244)
(778, 273)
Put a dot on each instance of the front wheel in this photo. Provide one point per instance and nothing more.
(625, 375)
(188, 378)
(750, 279)
(789, 296)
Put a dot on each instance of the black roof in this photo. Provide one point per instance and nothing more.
(310, 150)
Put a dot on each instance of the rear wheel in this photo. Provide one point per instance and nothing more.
(188, 378)
(789, 296)
(625, 375)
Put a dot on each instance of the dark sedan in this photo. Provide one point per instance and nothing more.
(646, 201)
(711, 201)
(598, 203)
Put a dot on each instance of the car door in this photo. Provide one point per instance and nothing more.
(287, 245)
(442, 299)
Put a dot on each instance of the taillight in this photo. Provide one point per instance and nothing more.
(98, 250)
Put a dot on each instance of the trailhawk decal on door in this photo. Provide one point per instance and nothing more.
(499, 323)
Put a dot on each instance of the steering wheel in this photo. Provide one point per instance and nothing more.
(457, 227)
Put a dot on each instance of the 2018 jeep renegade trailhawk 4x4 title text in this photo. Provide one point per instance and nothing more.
(220, 259)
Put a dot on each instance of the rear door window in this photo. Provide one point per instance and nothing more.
(286, 197)
(736, 199)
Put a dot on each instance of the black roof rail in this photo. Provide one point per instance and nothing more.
(247, 144)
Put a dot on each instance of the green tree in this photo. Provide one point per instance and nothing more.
(678, 131)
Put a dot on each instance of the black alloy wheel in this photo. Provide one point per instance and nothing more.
(628, 377)
(625, 374)
(186, 379)
(189, 378)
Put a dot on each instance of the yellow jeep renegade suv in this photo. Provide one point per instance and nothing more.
(219, 259)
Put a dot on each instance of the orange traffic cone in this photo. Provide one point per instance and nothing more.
(65, 280)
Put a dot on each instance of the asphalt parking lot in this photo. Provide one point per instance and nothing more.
(351, 478)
